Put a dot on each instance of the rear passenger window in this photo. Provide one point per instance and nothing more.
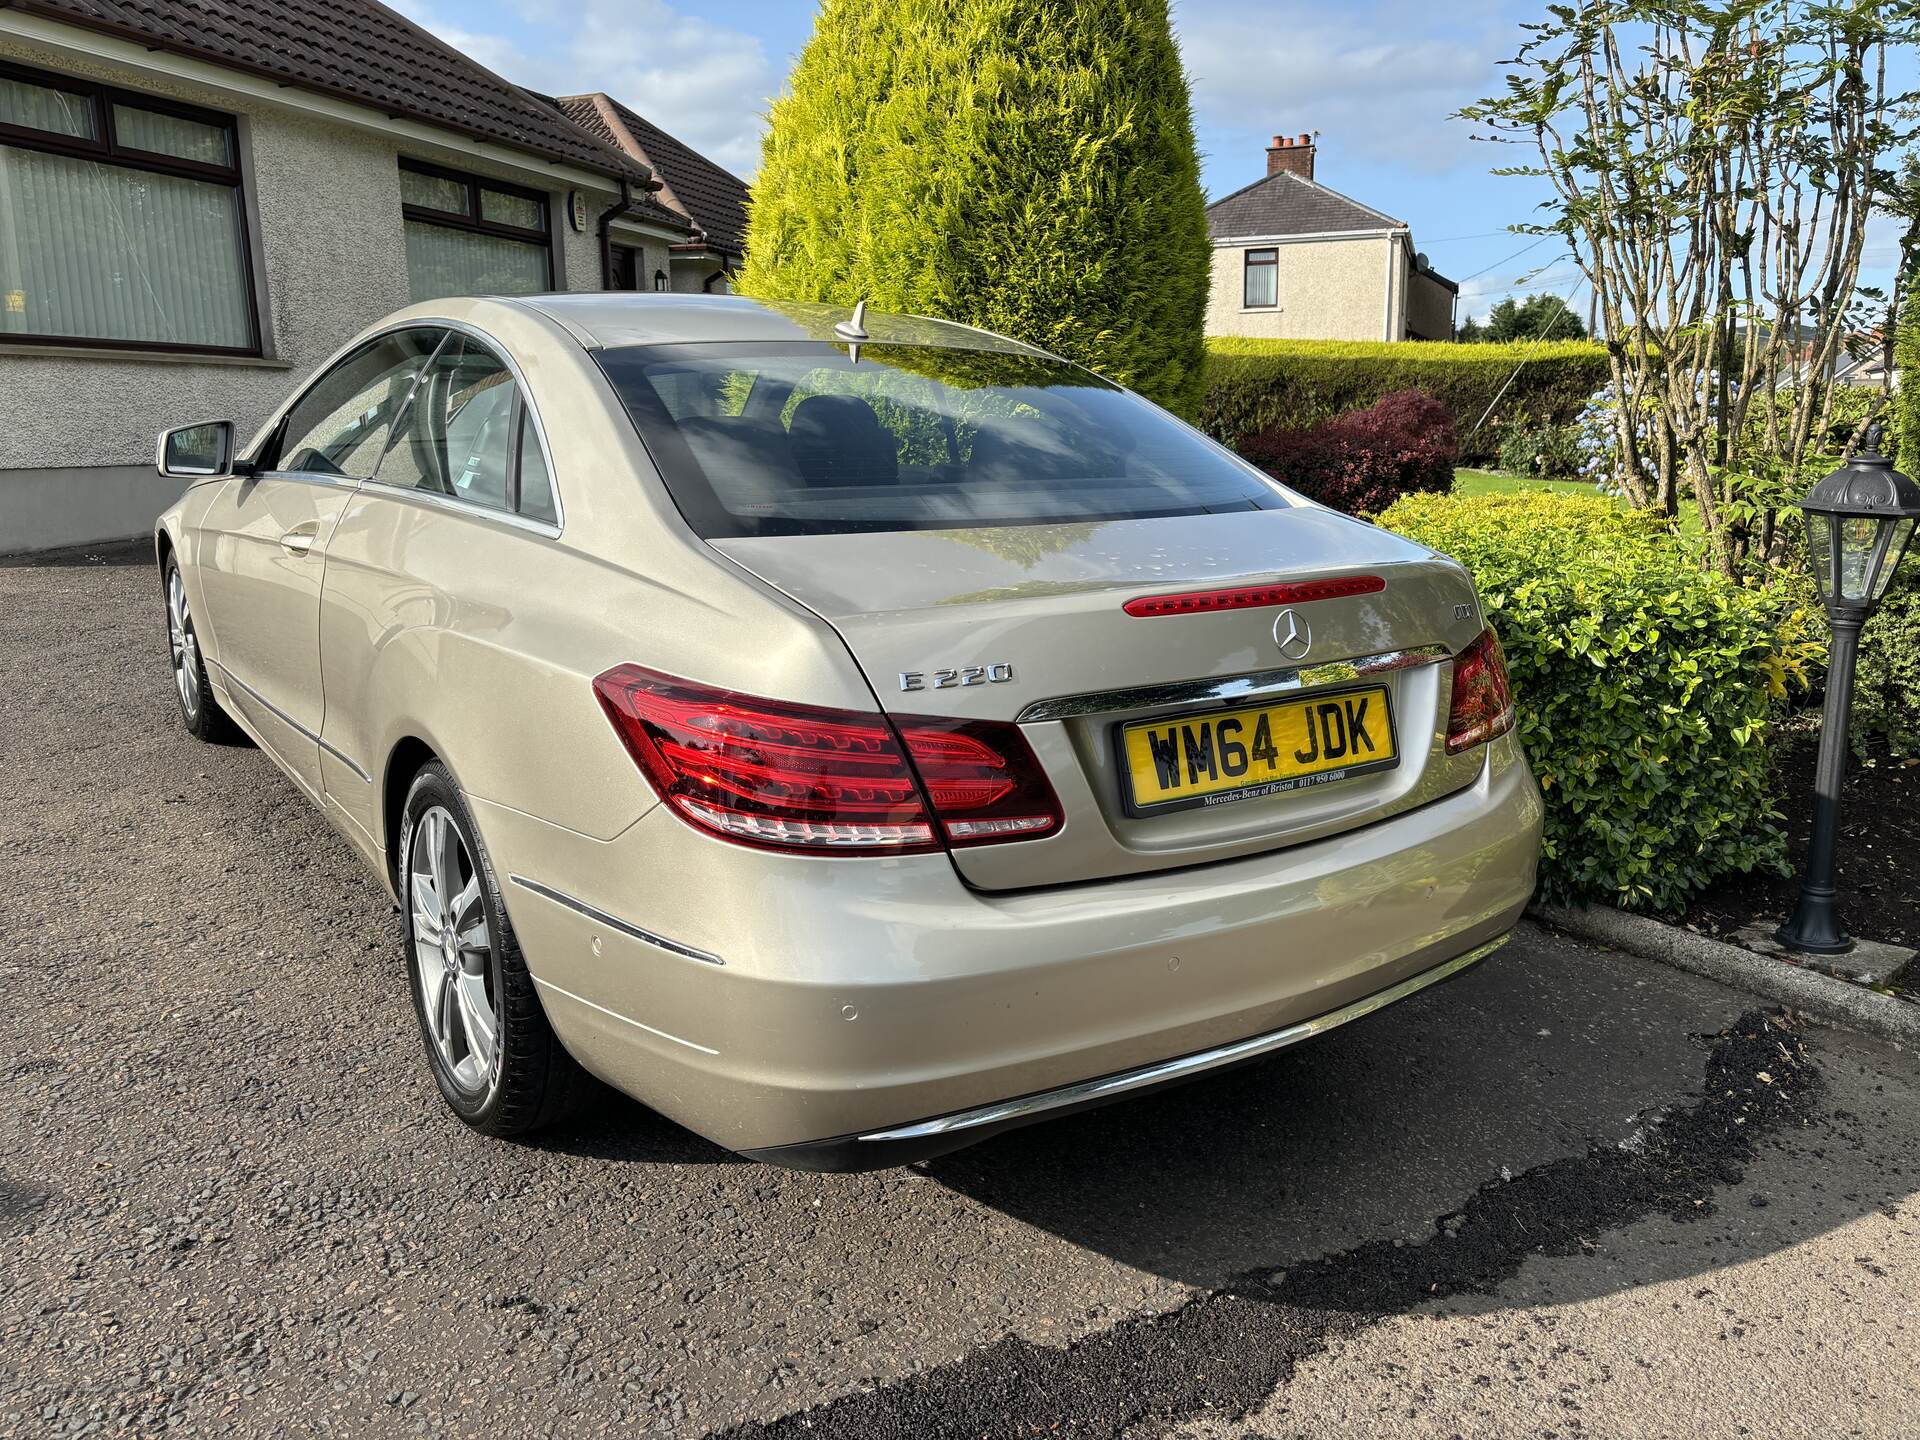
(536, 486)
(468, 436)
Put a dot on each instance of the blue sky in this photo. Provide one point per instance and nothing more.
(1376, 79)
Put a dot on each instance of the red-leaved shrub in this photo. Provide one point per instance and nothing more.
(1363, 461)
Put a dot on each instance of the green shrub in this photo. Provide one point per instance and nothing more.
(1643, 684)
(1255, 385)
(1886, 687)
(1028, 168)
(1363, 461)
(1548, 452)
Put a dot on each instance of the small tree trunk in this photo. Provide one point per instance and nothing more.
(1700, 476)
(1668, 498)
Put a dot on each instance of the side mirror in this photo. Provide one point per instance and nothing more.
(191, 452)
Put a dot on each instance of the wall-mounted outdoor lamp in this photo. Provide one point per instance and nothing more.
(1860, 520)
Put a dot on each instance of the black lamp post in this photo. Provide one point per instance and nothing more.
(1859, 522)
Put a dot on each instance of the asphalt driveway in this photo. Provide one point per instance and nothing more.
(1568, 1194)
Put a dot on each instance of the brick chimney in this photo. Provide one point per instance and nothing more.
(1293, 156)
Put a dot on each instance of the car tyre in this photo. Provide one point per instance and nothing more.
(496, 1059)
(201, 712)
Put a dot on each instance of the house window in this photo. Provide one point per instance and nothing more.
(468, 236)
(122, 221)
(1263, 279)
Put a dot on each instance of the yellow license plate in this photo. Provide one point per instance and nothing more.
(1186, 760)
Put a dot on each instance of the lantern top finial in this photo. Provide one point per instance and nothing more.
(1866, 485)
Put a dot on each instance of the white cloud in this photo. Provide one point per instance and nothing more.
(1382, 87)
(703, 82)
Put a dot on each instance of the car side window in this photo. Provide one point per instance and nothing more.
(466, 436)
(343, 422)
(536, 485)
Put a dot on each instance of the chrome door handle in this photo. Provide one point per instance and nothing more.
(297, 542)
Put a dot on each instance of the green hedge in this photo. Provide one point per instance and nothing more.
(1644, 685)
(1886, 689)
(1262, 384)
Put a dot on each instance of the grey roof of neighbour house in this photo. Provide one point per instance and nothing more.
(713, 199)
(356, 50)
(1287, 204)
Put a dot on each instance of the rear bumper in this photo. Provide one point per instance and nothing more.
(796, 998)
(924, 1139)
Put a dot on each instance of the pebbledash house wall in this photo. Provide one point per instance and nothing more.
(1328, 289)
(322, 198)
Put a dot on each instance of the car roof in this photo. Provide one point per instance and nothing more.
(611, 319)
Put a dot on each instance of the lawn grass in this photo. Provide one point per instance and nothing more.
(1499, 482)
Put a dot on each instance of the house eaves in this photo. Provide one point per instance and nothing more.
(357, 51)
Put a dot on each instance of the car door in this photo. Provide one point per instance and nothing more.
(425, 571)
(264, 541)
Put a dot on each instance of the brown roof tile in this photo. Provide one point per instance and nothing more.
(355, 49)
(712, 198)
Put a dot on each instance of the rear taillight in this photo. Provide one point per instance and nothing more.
(799, 777)
(1482, 695)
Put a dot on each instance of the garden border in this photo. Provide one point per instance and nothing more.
(1821, 997)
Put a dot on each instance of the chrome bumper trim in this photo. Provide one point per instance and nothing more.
(614, 922)
(1238, 687)
(1030, 1106)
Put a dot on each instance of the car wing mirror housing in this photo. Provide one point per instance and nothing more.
(192, 452)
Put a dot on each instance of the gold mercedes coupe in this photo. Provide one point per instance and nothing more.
(850, 735)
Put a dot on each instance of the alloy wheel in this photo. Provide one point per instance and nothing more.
(183, 642)
(453, 953)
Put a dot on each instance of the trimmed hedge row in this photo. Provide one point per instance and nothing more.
(1644, 686)
(1886, 694)
(1254, 385)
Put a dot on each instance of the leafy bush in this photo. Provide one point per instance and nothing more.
(1255, 385)
(1886, 686)
(1363, 461)
(1903, 419)
(1029, 168)
(1550, 452)
(1643, 683)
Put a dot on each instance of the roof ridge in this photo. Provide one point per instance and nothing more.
(702, 155)
(1342, 195)
(1250, 185)
(615, 115)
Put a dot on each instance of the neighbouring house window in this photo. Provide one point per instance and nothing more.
(122, 220)
(1263, 279)
(468, 236)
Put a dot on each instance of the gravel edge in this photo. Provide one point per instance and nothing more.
(1821, 997)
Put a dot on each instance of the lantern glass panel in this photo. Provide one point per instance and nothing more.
(1820, 550)
(1859, 546)
(1902, 533)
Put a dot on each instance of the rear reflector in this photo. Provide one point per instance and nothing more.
(1482, 695)
(1249, 597)
(799, 777)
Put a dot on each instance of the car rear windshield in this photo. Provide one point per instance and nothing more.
(806, 438)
